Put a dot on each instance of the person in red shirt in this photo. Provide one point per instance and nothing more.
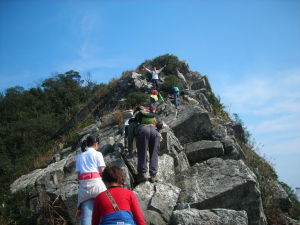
(117, 204)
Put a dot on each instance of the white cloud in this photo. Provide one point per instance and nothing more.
(287, 123)
(265, 94)
(269, 104)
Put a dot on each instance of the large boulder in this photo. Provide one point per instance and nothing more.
(193, 127)
(209, 217)
(153, 218)
(170, 145)
(160, 198)
(164, 199)
(218, 183)
(202, 97)
(202, 150)
(237, 130)
(115, 159)
(166, 171)
(201, 83)
(281, 196)
(144, 193)
(68, 190)
(27, 180)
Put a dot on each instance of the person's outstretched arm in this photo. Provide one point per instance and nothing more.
(161, 69)
(147, 69)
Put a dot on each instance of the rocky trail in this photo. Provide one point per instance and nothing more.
(202, 176)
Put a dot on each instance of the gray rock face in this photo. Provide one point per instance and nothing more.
(195, 127)
(68, 190)
(203, 150)
(209, 217)
(282, 197)
(190, 100)
(232, 149)
(89, 129)
(218, 183)
(165, 199)
(144, 193)
(201, 83)
(170, 145)
(27, 180)
(201, 97)
(153, 218)
(166, 171)
(159, 198)
(236, 129)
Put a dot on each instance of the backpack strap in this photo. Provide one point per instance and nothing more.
(112, 201)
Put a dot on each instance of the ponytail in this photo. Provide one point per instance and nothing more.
(83, 146)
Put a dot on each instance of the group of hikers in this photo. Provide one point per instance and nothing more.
(101, 198)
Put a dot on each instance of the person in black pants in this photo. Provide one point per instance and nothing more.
(148, 137)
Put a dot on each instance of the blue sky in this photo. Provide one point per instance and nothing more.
(250, 51)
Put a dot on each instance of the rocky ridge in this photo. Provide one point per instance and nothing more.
(202, 176)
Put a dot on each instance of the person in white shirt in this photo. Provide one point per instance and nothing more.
(89, 166)
(155, 73)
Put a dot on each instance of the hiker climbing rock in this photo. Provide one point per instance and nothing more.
(154, 73)
(89, 165)
(131, 130)
(117, 205)
(153, 100)
(175, 94)
(147, 137)
(127, 115)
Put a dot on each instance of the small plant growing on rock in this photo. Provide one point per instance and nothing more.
(171, 81)
(218, 107)
(136, 99)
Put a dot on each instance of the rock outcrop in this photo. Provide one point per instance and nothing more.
(202, 177)
(209, 217)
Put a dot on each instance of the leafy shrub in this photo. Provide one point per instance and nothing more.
(172, 64)
(137, 99)
(171, 81)
(218, 107)
(17, 211)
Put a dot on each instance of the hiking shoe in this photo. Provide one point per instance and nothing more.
(153, 179)
(141, 178)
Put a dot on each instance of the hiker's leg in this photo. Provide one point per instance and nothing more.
(142, 140)
(87, 211)
(155, 84)
(177, 99)
(154, 145)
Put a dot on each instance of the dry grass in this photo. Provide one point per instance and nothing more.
(43, 159)
(126, 74)
(53, 212)
(118, 117)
